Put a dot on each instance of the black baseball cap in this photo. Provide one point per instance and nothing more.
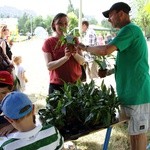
(117, 6)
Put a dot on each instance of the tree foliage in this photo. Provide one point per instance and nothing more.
(22, 23)
(27, 23)
(143, 15)
(73, 20)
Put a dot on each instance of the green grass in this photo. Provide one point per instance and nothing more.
(118, 141)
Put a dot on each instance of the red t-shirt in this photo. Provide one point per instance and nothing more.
(70, 71)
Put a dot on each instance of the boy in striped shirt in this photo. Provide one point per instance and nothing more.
(19, 111)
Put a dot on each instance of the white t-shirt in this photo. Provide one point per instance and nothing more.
(90, 38)
(19, 71)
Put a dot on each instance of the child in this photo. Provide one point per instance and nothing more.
(20, 72)
(28, 136)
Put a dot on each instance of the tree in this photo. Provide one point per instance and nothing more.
(147, 7)
(70, 7)
(93, 21)
(48, 22)
(73, 20)
(143, 15)
(21, 24)
(106, 24)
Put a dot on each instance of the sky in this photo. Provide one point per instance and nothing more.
(52, 7)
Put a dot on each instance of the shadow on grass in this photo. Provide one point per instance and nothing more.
(88, 145)
(120, 138)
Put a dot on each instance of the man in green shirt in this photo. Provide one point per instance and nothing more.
(131, 72)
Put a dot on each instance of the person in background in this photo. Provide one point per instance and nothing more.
(20, 72)
(19, 111)
(4, 44)
(6, 86)
(100, 39)
(4, 34)
(131, 72)
(64, 65)
(108, 38)
(89, 38)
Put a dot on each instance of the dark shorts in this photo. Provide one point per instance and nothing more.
(53, 87)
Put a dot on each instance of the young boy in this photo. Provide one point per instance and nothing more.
(20, 72)
(28, 136)
(6, 86)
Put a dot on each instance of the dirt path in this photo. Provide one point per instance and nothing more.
(34, 63)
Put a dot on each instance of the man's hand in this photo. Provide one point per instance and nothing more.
(82, 46)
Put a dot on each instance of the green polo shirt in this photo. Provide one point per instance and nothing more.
(132, 70)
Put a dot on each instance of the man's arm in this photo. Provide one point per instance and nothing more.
(101, 50)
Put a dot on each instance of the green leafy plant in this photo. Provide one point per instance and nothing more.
(104, 64)
(69, 38)
(101, 61)
(82, 107)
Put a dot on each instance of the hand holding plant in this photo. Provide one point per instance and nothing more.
(70, 40)
(68, 53)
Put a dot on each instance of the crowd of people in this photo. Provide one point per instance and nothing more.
(14, 62)
(131, 75)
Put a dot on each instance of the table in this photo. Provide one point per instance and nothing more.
(107, 135)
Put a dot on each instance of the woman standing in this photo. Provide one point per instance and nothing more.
(4, 34)
(63, 64)
(6, 50)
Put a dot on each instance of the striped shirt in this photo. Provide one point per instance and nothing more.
(40, 138)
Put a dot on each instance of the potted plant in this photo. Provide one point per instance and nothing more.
(81, 108)
(104, 65)
(70, 39)
(101, 61)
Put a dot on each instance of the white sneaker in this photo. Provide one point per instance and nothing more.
(69, 146)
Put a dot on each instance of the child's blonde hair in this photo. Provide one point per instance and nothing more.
(16, 59)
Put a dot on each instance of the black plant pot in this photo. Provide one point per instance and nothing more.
(102, 73)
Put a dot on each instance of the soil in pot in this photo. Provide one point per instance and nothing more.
(70, 47)
(102, 73)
